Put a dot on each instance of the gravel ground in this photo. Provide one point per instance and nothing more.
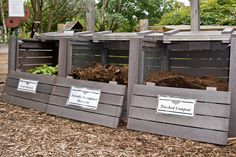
(24, 132)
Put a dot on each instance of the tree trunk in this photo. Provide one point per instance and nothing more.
(4, 24)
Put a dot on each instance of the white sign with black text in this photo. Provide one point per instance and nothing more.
(16, 8)
(28, 86)
(176, 106)
(84, 97)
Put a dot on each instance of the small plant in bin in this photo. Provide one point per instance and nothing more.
(44, 69)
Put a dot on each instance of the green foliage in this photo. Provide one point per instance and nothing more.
(44, 69)
(213, 12)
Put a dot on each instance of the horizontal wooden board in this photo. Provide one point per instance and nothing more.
(118, 52)
(207, 109)
(200, 95)
(123, 45)
(118, 60)
(35, 60)
(104, 87)
(42, 88)
(204, 122)
(104, 109)
(217, 72)
(83, 116)
(199, 63)
(46, 79)
(40, 97)
(37, 44)
(224, 54)
(39, 106)
(217, 137)
(37, 53)
(105, 98)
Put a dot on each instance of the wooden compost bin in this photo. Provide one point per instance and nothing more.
(196, 54)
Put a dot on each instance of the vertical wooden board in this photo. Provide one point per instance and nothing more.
(90, 15)
(134, 69)
(62, 59)
(195, 15)
(232, 85)
(12, 54)
(211, 136)
(83, 116)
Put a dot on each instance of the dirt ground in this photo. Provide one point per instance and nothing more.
(24, 132)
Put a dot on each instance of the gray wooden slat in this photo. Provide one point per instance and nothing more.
(200, 95)
(12, 54)
(105, 98)
(118, 52)
(41, 97)
(199, 63)
(41, 78)
(118, 60)
(42, 88)
(205, 122)
(123, 45)
(104, 87)
(210, 136)
(208, 109)
(36, 44)
(104, 109)
(37, 53)
(218, 72)
(35, 60)
(224, 54)
(83, 116)
(39, 106)
(62, 62)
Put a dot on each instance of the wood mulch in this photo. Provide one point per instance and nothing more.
(24, 132)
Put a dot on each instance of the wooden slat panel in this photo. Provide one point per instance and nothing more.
(103, 109)
(104, 87)
(37, 53)
(105, 98)
(210, 136)
(118, 52)
(200, 54)
(35, 60)
(83, 116)
(27, 44)
(41, 78)
(200, 95)
(218, 72)
(124, 45)
(205, 122)
(200, 63)
(118, 60)
(40, 97)
(42, 88)
(39, 106)
(208, 109)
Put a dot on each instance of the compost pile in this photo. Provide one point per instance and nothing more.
(170, 79)
(102, 73)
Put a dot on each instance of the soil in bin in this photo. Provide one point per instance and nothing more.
(106, 73)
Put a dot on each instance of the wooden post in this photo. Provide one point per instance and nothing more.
(143, 24)
(90, 15)
(60, 27)
(134, 63)
(232, 85)
(12, 54)
(62, 58)
(195, 15)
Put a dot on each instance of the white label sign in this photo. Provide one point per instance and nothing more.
(176, 106)
(84, 97)
(29, 86)
(16, 8)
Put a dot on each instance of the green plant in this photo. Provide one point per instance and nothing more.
(44, 69)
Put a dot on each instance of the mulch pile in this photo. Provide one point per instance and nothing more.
(102, 73)
(170, 79)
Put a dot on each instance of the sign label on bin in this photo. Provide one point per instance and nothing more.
(176, 106)
(84, 97)
(28, 86)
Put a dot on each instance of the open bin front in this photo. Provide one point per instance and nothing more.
(173, 69)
